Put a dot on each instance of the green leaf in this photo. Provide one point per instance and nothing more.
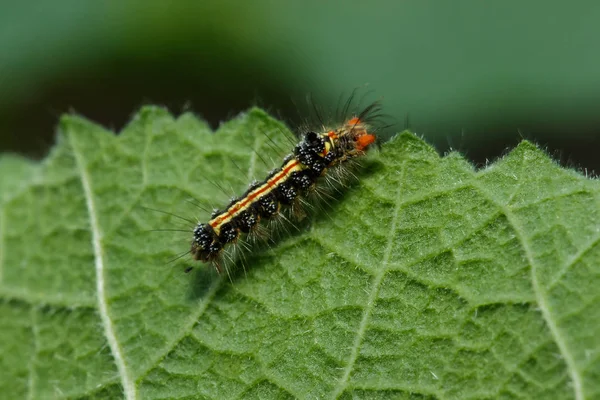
(427, 279)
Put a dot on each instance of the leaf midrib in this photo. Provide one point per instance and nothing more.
(96, 235)
(539, 294)
(343, 383)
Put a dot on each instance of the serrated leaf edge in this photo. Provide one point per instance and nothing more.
(129, 384)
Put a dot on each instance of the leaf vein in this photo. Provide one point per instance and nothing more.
(109, 331)
(186, 328)
(2, 246)
(188, 325)
(576, 258)
(31, 369)
(343, 383)
(540, 295)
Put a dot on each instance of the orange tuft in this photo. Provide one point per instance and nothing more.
(354, 121)
(332, 135)
(363, 141)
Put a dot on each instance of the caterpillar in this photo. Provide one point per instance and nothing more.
(311, 160)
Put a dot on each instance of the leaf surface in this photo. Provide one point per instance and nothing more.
(427, 279)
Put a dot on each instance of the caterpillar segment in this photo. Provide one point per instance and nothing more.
(300, 171)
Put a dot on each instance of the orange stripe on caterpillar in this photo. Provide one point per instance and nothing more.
(242, 203)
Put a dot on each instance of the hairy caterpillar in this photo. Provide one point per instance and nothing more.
(317, 157)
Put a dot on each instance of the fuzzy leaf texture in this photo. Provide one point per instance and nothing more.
(427, 279)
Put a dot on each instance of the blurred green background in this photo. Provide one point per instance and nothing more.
(471, 75)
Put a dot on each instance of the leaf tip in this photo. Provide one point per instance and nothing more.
(526, 145)
(529, 151)
(257, 113)
(409, 142)
(151, 111)
(68, 121)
